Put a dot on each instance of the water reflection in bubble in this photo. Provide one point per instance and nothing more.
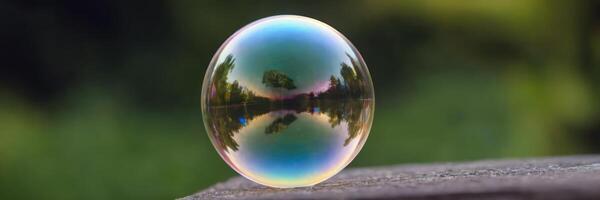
(287, 101)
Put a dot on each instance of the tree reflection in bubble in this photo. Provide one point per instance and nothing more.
(287, 101)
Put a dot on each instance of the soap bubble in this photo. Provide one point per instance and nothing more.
(287, 101)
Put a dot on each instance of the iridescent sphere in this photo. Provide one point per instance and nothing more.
(287, 101)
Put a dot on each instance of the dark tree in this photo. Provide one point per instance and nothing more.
(277, 79)
(280, 124)
(220, 79)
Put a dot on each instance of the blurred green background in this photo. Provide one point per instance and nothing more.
(100, 99)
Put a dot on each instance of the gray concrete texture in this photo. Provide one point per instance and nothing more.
(573, 177)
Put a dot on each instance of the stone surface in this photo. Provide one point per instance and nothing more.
(574, 177)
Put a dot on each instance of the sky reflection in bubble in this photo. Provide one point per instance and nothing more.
(287, 101)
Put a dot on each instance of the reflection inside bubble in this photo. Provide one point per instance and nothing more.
(283, 146)
(287, 101)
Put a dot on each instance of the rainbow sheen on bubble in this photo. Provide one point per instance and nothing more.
(287, 101)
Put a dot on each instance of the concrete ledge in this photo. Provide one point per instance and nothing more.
(574, 177)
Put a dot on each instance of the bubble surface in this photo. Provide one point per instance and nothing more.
(287, 101)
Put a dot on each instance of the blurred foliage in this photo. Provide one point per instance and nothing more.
(100, 99)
